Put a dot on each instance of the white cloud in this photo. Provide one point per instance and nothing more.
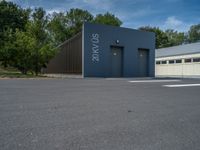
(99, 4)
(134, 19)
(93, 6)
(173, 23)
(125, 15)
(51, 11)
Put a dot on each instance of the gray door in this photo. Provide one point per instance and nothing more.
(116, 53)
(143, 62)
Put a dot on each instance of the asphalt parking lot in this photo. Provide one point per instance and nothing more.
(99, 114)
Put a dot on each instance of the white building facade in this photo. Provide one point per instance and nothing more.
(178, 61)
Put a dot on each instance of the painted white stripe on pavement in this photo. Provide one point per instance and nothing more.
(144, 81)
(181, 85)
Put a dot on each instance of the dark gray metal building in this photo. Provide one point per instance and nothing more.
(106, 51)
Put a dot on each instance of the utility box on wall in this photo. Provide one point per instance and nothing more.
(108, 51)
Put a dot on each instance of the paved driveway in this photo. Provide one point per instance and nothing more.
(98, 114)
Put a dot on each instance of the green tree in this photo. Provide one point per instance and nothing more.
(25, 46)
(63, 26)
(161, 37)
(75, 19)
(108, 19)
(12, 17)
(58, 28)
(7, 52)
(27, 51)
(194, 33)
(44, 49)
(174, 37)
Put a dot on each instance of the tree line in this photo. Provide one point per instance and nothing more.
(29, 37)
(171, 37)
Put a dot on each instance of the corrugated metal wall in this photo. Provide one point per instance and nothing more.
(74, 54)
(69, 59)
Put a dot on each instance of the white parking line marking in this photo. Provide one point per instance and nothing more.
(150, 81)
(115, 78)
(181, 85)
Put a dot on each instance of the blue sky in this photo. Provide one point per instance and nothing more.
(174, 14)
